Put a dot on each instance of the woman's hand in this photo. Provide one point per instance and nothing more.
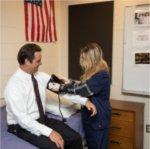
(91, 107)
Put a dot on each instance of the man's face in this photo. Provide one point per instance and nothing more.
(36, 62)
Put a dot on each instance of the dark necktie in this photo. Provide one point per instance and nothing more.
(38, 99)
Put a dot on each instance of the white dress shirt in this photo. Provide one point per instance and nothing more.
(21, 104)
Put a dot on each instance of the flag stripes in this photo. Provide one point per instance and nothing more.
(40, 21)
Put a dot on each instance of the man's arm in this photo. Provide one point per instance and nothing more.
(57, 85)
(81, 89)
(83, 101)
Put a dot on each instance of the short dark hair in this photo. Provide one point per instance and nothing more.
(27, 52)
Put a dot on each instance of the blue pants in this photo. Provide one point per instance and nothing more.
(97, 139)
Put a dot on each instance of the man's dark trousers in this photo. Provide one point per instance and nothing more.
(71, 138)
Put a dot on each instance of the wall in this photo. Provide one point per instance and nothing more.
(118, 33)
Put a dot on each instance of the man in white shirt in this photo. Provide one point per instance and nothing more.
(24, 116)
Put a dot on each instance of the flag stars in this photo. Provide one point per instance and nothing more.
(36, 2)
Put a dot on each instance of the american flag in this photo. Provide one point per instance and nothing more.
(40, 21)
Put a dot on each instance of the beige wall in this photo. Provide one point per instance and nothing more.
(55, 55)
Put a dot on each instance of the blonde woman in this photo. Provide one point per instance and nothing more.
(95, 84)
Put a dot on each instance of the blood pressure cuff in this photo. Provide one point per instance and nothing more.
(77, 89)
(51, 83)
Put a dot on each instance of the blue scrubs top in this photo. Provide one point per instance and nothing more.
(99, 84)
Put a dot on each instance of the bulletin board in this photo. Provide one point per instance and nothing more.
(136, 63)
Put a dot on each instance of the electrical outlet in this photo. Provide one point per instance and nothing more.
(148, 128)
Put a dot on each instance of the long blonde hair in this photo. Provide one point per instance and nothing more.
(91, 60)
